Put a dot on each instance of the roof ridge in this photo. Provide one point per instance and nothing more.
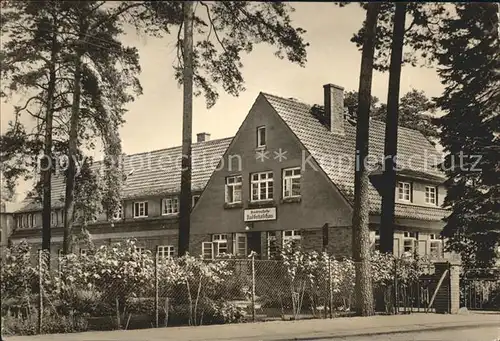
(179, 146)
(310, 106)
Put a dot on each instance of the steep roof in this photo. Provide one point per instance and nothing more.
(155, 172)
(335, 153)
(158, 172)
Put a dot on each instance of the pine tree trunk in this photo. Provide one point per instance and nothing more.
(187, 121)
(360, 233)
(69, 201)
(47, 161)
(391, 132)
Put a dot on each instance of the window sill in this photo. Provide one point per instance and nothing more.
(259, 204)
(169, 215)
(233, 205)
(291, 200)
(141, 217)
(260, 149)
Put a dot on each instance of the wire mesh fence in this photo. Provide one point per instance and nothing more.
(480, 289)
(120, 288)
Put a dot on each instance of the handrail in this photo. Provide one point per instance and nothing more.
(437, 288)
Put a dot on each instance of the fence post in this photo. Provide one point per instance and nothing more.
(330, 289)
(156, 288)
(40, 291)
(253, 286)
(396, 296)
(166, 311)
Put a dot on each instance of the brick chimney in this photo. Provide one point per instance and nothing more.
(334, 107)
(202, 137)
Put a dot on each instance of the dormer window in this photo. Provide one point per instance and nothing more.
(140, 209)
(261, 137)
(430, 195)
(404, 191)
(170, 206)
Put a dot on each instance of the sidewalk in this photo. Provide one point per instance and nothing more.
(284, 331)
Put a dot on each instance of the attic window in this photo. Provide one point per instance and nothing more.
(170, 206)
(261, 136)
(140, 209)
(404, 191)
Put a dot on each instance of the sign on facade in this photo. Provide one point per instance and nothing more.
(258, 214)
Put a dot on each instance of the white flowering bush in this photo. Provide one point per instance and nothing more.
(196, 282)
(324, 280)
(117, 280)
(301, 269)
(19, 277)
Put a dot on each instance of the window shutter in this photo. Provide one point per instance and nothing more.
(207, 249)
(422, 248)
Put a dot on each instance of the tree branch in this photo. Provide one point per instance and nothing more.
(213, 25)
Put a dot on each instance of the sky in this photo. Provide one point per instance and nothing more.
(154, 120)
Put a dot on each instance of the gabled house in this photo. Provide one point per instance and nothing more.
(286, 176)
(296, 175)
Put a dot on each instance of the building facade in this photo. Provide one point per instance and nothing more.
(286, 176)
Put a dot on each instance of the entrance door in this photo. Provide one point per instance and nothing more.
(254, 242)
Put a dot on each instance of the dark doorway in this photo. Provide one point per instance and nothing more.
(254, 243)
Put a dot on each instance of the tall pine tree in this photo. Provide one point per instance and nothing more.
(468, 65)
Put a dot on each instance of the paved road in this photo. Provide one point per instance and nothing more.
(469, 334)
(416, 327)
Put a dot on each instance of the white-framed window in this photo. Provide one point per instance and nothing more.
(291, 236)
(291, 182)
(435, 245)
(261, 136)
(262, 185)
(140, 209)
(140, 249)
(404, 191)
(19, 219)
(166, 251)
(118, 213)
(83, 252)
(410, 240)
(233, 189)
(430, 195)
(195, 199)
(170, 206)
(220, 244)
(207, 250)
(377, 240)
(240, 244)
(53, 219)
(26, 221)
